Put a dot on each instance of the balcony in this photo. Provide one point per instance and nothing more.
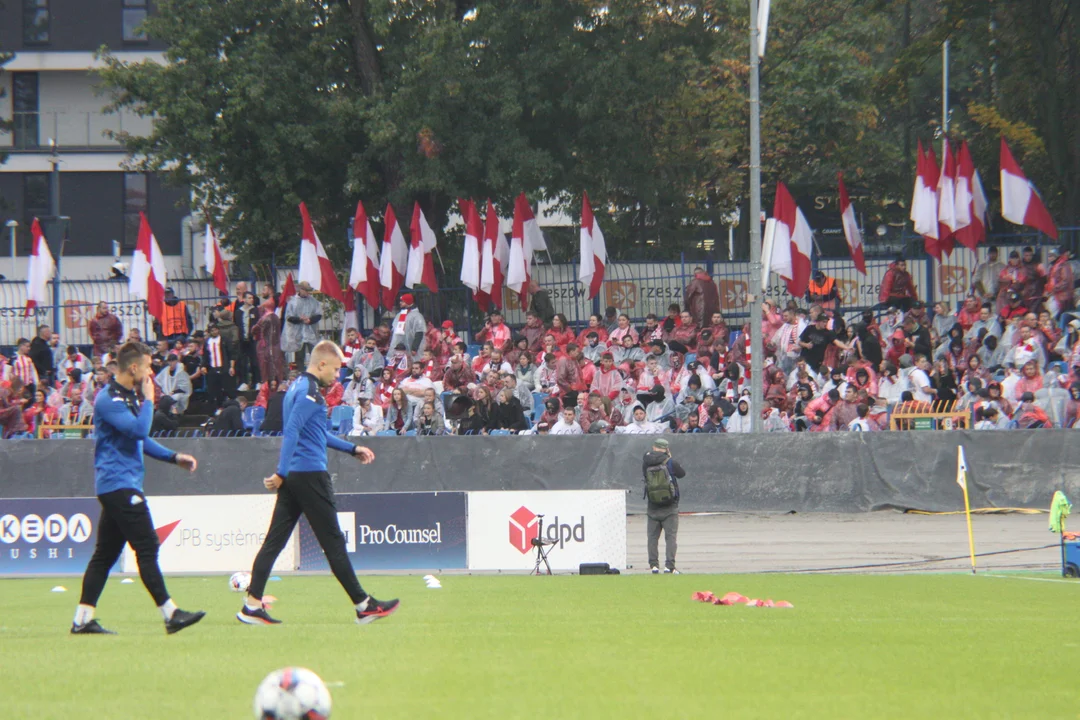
(71, 131)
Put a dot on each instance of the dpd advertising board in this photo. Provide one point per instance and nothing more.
(585, 525)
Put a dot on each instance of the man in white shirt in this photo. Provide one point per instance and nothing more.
(860, 424)
(921, 389)
(414, 384)
(567, 424)
(496, 362)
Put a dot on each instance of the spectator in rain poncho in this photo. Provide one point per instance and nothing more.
(741, 421)
(640, 425)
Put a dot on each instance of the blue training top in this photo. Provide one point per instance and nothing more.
(305, 438)
(121, 437)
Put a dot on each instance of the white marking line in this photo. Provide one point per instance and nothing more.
(1020, 577)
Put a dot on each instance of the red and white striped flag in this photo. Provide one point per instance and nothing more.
(851, 228)
(315, 267)
(421, 267)
(1020, 201)
(40, 271)
(470, 259)
(946, 192)
(215, 265)
(364, 273)
(593, 249)
(970, 201)
(924, 211)
(525, 240)
(793, 242)
(148, 271)
(395, 257)
(491, 265)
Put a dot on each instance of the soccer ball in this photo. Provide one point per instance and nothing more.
(292, 694)
(240, 581)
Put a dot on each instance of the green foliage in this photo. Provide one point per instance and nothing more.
(642, 104)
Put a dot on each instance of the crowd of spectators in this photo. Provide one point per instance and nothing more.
(1008, 357)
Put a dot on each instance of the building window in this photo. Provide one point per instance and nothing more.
(35, 22)
(24, 105)
(134, 13)
(135, 201)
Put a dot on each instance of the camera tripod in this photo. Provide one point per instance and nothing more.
(543, 547)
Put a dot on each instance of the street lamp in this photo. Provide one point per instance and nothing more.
(12, 226)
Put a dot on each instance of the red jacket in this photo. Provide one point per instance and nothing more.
(897, 284)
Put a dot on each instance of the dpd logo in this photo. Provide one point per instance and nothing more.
(524, 528)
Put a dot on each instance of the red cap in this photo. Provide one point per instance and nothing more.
(407, 299)
(448, 324)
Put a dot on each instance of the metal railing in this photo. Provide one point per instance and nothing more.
(32, 131)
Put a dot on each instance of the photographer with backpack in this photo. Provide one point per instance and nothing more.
(662, 493)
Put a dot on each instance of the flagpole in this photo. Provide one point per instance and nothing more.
(756, 288)
(944, 99)
(961, 480)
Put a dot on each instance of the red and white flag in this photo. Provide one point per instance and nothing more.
(395, 258)
(946, 192)
(1020, 201)
(315, 267)
(970, 201)
(924, 211)
(287, 291)
(491, 265)
(215, 265)
(851, 228)
(470, 259)
(593, 249)
(421, 266)
(525, 240)
(148, 271)
(793, 233)
(40, 271)
(364, 273)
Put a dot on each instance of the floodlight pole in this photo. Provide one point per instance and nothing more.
(756, 289)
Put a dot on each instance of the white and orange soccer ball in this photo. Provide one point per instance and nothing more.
(292, 693)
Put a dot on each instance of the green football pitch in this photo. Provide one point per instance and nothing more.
(633, 646)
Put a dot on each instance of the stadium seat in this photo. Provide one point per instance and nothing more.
(690, 357)
(734, 338)
(386, 433)
(341, 418)
(253, 417)
(473, 350)
(1059, 367)
(410, 433)
(498, 433)
(538, 399)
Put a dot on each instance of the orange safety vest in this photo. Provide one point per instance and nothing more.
(824, 289)
(174, 319)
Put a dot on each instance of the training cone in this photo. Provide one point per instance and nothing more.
(127, 581)
(59, 588)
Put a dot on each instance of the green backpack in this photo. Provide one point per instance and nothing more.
(658, 485)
